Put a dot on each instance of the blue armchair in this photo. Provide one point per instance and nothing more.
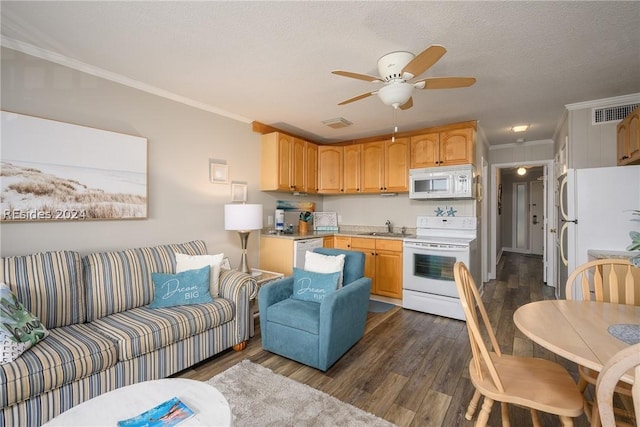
(312, 333)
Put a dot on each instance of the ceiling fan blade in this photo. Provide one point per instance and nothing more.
(446, 82)
(358, 76)
(357, 98)
(407, 104)
(424, 60)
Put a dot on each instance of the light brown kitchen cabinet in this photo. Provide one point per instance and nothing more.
(342, 242)
(327, 242)
(351, 168)
(443, 148)
(628, 139)
(385, 166)
(330, 169)
(383, 264)
(396, 165)
(368, 247)
(276, 254)
(373, 167)
(311, 170)
(283, 160)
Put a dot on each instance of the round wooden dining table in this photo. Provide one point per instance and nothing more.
(580, 331)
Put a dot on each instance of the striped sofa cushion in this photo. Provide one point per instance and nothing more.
(49, 284)
(142, 330)
(119, 281)
(66, 355)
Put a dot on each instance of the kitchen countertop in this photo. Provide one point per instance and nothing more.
(320, 234)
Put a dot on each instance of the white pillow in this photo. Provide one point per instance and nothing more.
(194, 262)
(319, 263)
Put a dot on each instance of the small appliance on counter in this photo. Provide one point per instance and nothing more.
(279, 220)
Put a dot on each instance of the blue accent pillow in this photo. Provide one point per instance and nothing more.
(311, 286)
(188, 287)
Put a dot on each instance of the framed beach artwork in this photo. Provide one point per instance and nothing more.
(55, 171)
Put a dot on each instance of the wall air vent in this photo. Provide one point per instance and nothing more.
(611, 114)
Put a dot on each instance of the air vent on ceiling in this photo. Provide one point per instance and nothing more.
(612, 114)
(337, 123)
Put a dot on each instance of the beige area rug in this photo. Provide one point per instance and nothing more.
(260, 397)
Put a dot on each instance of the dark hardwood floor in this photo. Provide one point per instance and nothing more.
(411, 368)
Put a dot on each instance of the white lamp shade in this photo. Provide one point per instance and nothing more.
(242, 217)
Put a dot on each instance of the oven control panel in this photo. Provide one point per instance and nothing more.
(443, 223)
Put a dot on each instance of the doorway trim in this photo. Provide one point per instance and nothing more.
(550, 248)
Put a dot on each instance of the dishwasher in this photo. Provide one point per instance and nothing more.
(300, 247)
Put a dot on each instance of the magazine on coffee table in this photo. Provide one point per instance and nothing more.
(166, 414)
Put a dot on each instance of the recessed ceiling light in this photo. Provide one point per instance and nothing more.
(337, 123)
(520, 128)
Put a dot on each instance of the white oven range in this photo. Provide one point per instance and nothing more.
(428, 259)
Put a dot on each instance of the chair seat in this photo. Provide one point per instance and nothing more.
(535, 383)
(303, 315)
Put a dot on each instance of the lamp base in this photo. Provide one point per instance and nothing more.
(244, 267)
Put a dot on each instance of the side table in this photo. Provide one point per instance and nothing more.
(262, 277)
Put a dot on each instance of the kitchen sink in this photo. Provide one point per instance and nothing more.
(383, 234)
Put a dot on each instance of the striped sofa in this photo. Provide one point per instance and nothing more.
(102, 335)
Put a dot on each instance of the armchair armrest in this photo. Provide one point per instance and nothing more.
(272, 293)
(343, 315)
(241, 288)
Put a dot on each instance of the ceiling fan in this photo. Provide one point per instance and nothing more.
(396, 70)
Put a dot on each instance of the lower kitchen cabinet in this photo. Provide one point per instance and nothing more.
(383, 264)
(276, 255)
(342, 242)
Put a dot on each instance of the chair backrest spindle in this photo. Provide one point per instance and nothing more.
(605, 280)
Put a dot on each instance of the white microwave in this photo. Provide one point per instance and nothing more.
(442, 182)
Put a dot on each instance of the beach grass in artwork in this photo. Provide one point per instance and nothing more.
(31, 194)
(51, 170)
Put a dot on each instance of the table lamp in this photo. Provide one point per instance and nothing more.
(243, 218)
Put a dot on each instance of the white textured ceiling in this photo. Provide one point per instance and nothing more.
(272, 61)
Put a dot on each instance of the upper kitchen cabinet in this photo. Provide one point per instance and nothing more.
(352, 155)
(385, 166)
(447, 146)
(330, 169)
(311, 171)
(628, 136)
(284, 162)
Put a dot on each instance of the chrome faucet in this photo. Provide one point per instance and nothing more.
(389, 226)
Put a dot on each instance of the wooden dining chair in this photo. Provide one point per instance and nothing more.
(537, 384)
(607, 383)
(603, 280)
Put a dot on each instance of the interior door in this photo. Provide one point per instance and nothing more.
(536, 217)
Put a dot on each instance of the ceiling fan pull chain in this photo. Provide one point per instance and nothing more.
(395, 124)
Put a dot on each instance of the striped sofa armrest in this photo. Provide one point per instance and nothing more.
(241, 288)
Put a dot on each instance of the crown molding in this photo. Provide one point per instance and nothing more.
(63, 60)
(606, 102)
(520, 144)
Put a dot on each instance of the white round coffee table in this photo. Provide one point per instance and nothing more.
(209, 405)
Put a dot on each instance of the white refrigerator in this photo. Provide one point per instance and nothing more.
(595, 212)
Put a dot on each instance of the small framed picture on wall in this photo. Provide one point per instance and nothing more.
(238, 191)
(218, 172)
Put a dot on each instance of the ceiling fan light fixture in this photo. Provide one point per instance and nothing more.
(395, 94)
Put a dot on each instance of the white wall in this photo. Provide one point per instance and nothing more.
(375, 210)
(183, 204)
